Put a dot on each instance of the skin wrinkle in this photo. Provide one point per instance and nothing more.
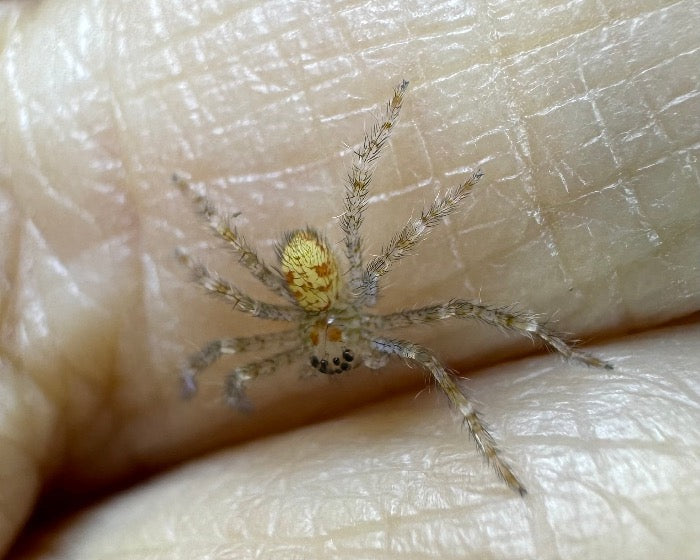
(255, 101)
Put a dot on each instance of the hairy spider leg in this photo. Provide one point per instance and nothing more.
(236, 380)
(219, 287)
(215, 349)
(357, 184)
(507, 319)
(484, 441)
(222, 227)
(413, 233)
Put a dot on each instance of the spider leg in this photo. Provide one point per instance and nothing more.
(238, 378)
(526, 324)
(210, 353)
(357, 185)
(413, 233)
(484, 441)
(222, 227)
(213, 284)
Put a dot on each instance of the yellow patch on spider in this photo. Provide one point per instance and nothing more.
(310, 269)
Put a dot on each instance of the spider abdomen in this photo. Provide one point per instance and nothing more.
(310, 270)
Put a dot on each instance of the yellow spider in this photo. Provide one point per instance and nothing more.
(333, 328)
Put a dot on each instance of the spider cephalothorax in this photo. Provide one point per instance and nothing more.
(334, 329)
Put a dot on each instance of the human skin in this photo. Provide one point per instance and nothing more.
(585, 122)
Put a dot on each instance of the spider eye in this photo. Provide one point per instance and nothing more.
(310, 270)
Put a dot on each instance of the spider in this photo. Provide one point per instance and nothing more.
(329, 306)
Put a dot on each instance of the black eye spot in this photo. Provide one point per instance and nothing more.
(348, 356)
(345, 366)
(315, 361)
(336, 361)
(323, 366)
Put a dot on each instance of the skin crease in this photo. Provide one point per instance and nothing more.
(585, 122)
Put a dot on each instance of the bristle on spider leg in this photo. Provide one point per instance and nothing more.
(484, 440)
(188, 383)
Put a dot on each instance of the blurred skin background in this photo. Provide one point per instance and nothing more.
(584, 118)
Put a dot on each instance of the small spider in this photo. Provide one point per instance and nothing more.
(333, 328)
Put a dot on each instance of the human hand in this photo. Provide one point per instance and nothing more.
(586, 211)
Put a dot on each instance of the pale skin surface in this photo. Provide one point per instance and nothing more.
(585, 123)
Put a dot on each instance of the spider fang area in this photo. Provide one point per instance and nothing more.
(338, 364)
